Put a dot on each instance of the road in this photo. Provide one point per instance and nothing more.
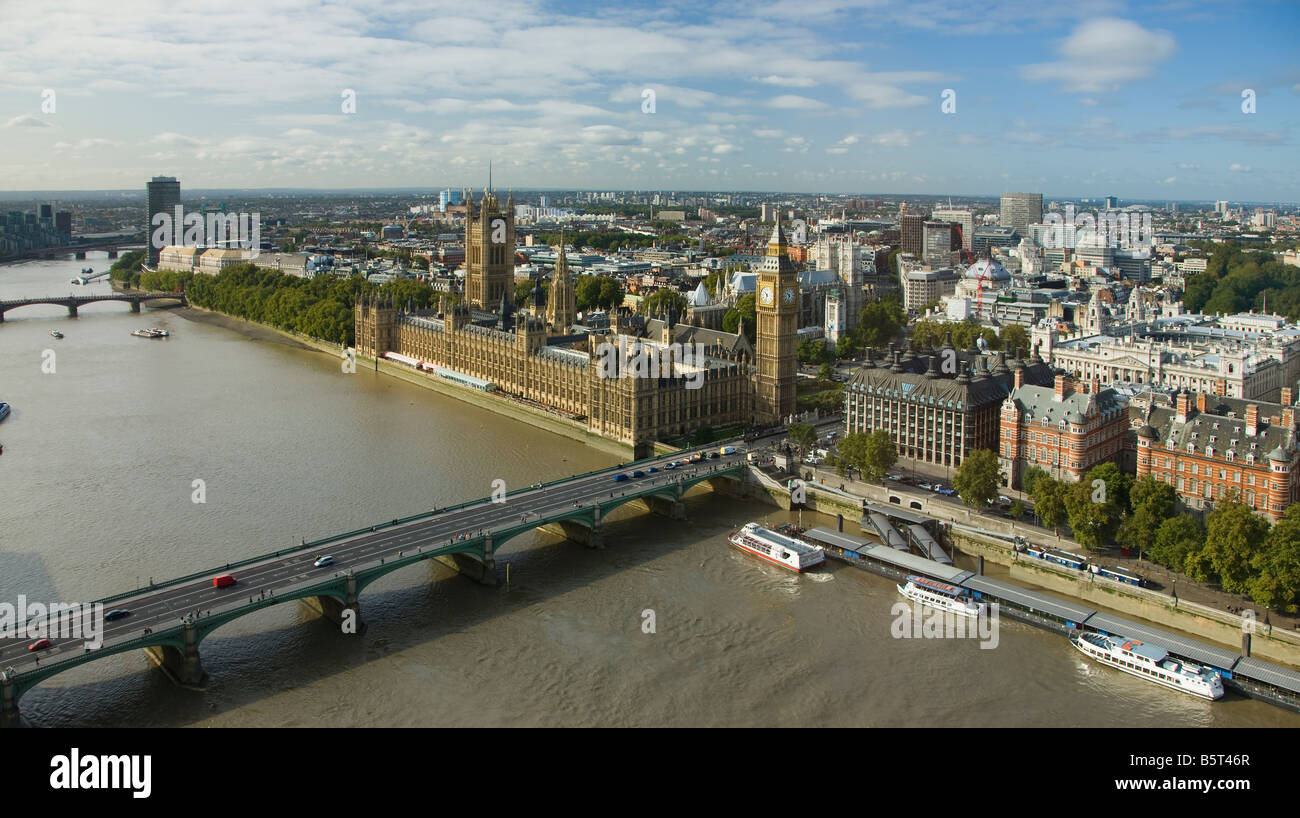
(164, 607)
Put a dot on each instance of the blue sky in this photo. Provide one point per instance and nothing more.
(1138, 100)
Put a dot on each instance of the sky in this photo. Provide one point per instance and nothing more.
(960, 97)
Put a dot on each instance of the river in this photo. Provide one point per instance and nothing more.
(97, 489)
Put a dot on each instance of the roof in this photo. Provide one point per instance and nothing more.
(957, 392)
(1032, 600)
(1214, 429)
(1039, 403)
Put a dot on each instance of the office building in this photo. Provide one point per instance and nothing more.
(1019, 210)
(164, 196)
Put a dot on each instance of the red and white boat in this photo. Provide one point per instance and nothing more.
(777, 548)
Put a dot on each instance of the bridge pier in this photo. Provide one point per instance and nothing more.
(592, 536)
(79, 255)
(482, 570)
(72, 310)
(8, 702)
(135, 306)
(672, 509)
(347, 614)
(112, 254)
(181, 666)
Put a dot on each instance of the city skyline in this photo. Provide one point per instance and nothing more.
(1139, 102)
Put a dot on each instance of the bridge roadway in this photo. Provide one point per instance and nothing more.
(72, 302)
(181, 612)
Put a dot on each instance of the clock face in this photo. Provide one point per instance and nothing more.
(766, 295)
(789, 295)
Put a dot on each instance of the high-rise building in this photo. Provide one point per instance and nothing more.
(965, 221)
(776, 349)
(1019, 210)
(911, 228)
(490, 252)
(938, 243)
(164, 194)
(1112, 202)
(63, 223)
(1221, 207)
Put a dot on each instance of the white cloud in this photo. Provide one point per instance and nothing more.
(793, 102)
(1239, 168)
(1104, 53)
(27, 121)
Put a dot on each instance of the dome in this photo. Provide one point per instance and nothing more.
(1277, 455)
(988, 270)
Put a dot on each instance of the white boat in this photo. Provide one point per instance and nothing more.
(161, 333)
(146, 333)
(776, 548)
(942, 596)
(55, 333)
(1151, 663)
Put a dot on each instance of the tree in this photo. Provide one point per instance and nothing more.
(1092, 521)
(1277, 584)
(879, 322)
(804, 434)
(1234, 535)
(1175, 539)
(745, 309)
(845, 347)
(1013, 337)
(1049, 501)
(1017, 510)
(1117, 486)
(663, 300)
(881, 455)
(1153, 502)
(1030, 478)
(826, 373)
(978, 478)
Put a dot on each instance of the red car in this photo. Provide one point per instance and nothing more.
(39, 644)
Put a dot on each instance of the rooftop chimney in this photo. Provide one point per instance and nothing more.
(1288, 396)
(1183, 407)
(1094, 385)
(1200, 402)
(1252, 420)
(1063, 387)
(1020, 378)
(1288, 418)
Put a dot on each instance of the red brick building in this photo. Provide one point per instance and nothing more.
(1207, 447)
(1060, 430)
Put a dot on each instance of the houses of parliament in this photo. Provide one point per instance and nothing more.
(539, 352)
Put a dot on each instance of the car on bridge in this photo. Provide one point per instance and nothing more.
(727, 450)
(670, 465)
(619, 478)
(638, 473)
(116, 613)
(321, 562)
(223, 581)
(40, 644)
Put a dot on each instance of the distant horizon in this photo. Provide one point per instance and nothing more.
(16, 195)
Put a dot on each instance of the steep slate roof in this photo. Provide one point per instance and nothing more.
(918, 378)
(1038, 402)
(1200, 430)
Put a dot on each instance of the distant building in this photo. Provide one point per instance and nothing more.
(912, 233)
(965, 221)
(1019, 210)
(164, 196)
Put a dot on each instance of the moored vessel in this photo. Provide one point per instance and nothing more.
(776, 548)
(55, 333)
(941, 595)
(1151, 663)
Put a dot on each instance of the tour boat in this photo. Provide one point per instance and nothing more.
(1151, 663)
(161, 333)
(55, 333)
(776, 548)
(146, 333)
(941, 595)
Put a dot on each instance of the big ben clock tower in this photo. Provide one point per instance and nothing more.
(778, 321)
